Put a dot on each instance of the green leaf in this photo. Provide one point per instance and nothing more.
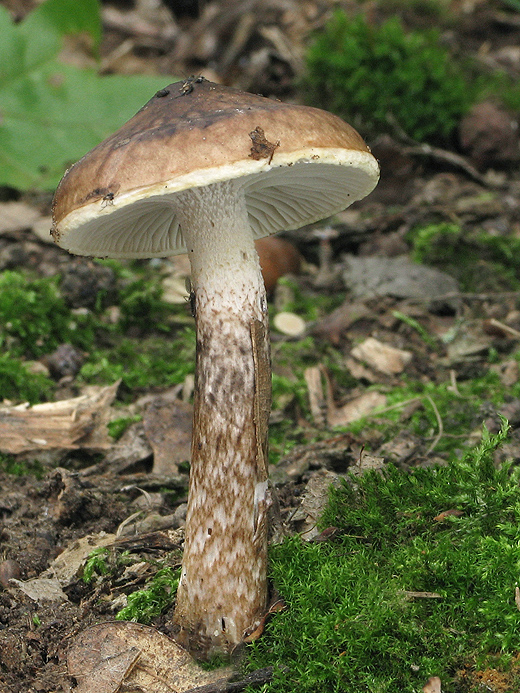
(62, 17)
(51, 113)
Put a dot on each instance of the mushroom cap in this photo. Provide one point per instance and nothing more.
(294, 164)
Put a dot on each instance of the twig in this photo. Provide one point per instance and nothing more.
(256, 678)
(414, 148)
(451, 158)
(439, 424)
(505, 328)
(397, 405)
(452, 387)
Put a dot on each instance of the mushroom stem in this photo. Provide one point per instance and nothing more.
(223, 586)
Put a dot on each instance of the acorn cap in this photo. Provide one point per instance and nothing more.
(294, 164)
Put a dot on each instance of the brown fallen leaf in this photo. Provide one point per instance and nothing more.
(168, 427)
(275, 607)
(326, 535)
(255, 678)
(40, 590)
(68, 424)
(115, 656)
(324, 407)
(383, 357)
(68, 565)
(334, 325)
(355, 409)
(433, 685)
(448, 513)
(313, 503)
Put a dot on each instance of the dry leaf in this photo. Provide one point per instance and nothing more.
(168, 427)
(368, 462)
(433, 685)
(334, 325)
(41, 589)
(315, 498)
(68, 424)
(355, 409)
(68, 564)
(130, 449)
(382, 357)
(448, 513)
(361, 372)
(317, 401)
(508, 372)
(109, 657)
(367, 277)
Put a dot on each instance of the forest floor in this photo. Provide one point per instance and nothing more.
(423, 354)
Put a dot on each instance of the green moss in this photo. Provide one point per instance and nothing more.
(479, 261)
(309, 305)
(16, 467)
(143, 363)
(158, 595)
(18, 384)
(502, 87)
(34, 319)
(460, 412)
(351, 621)
(371, 75)
(117, 427)
(97, 563)
(142, 306)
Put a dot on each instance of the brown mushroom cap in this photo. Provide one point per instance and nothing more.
(296, 165)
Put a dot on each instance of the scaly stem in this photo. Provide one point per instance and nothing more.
(223, 587)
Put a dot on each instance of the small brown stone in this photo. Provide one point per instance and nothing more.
(9, 569)
(489, 136)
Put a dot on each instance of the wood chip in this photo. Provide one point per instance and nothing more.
(68, 424)
(317, 403)
(384, 358)
(289, 323)
(355, 409)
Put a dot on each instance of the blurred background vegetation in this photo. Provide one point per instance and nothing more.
(58, 99)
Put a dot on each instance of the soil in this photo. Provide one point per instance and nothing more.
(43, 515)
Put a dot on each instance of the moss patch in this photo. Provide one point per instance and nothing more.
(420, 582)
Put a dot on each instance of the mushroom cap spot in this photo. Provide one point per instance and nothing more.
(119, 199)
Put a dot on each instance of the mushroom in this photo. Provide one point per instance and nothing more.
(206, 169)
